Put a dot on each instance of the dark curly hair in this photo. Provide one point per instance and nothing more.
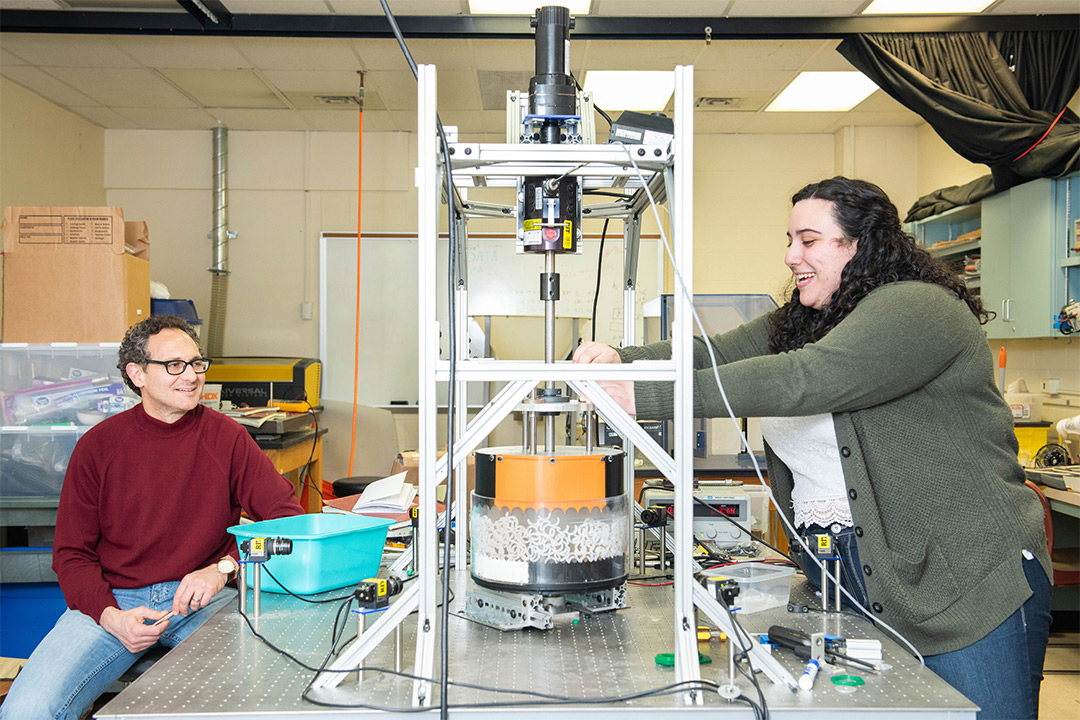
(133, 348)
(884, 254)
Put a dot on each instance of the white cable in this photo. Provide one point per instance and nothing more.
(731, 414)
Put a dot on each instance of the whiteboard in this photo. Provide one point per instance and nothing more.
(500, 281)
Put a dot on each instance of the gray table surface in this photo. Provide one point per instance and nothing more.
(223, 671)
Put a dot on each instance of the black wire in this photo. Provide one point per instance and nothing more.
(606, 193)
(300, 597)
(599, 268)
(745, 639)
(595, 106)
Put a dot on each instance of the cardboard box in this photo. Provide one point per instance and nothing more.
(68, 277)
(409, 462)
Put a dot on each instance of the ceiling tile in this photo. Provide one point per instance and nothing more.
(649, 8)
(225, 88)
(81, 51)
(299, 53)
(46, 86)
(794, 8)
(150, 118)
(1034, 7)
(380, 54)
(106, 118)
(879, 119)
(721, 122)
(7, 59)
(396, 88)
(336, 82)
(257, 119)
(333, 102)
(736, 56)
(123, 87)
(508, 55)
(211, 53)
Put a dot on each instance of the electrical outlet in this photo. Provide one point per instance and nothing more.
(306, 310)
(1051, 386)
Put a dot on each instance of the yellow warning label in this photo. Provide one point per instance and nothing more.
(824, 542)
(258, 545)
(567, 235)
(532, 224)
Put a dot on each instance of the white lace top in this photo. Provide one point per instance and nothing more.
(807, 445)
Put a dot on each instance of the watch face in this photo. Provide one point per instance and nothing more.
(226, 566)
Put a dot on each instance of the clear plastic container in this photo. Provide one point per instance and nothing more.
(761, 586)
(538, 547)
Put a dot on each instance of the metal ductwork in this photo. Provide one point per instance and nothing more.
(219, 283)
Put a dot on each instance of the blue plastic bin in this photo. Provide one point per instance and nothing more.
(175, 306)
(329, 550)
(28, 612)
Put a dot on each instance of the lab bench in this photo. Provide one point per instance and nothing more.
(223, 671)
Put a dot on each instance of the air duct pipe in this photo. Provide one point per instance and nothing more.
(219, 282)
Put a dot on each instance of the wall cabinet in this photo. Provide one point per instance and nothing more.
(1025, 261)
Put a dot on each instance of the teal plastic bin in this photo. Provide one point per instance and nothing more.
(329, 550)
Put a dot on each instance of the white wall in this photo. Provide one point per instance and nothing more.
(285, 188)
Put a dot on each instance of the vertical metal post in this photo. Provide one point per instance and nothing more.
(256, 589)
(241, 585)
(427, 178)
(549, 349)
(682, 222)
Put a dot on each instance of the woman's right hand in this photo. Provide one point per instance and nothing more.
(594, 352)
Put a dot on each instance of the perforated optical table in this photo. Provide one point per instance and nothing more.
(223, 671)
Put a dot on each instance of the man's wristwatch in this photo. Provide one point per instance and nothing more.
(228, 567)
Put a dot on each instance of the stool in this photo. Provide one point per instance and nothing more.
(353, 485)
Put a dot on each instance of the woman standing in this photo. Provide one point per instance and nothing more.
(884, 428)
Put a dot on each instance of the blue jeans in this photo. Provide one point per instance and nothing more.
(78, 660)
(989, 672)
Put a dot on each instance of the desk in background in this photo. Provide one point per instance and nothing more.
(292, 454)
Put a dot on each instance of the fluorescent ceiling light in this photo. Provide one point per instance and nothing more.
(926, 7)
(643, 90)
(524, 7)
(823, 92)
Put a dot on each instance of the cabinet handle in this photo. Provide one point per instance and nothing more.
(1006, 310)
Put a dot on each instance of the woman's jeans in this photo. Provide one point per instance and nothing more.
(78, 660)
(991, 671)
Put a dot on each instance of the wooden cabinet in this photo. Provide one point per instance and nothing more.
(1028, 262)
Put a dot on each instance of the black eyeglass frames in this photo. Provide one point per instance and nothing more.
(177, 367)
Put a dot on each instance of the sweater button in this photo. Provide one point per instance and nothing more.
(845, 451)
(866, 569)
(852, 494)
(858, 531)
(876, 607)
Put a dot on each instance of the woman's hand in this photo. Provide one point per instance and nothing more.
(622, 392)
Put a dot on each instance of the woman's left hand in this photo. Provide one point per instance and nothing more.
(622, 392)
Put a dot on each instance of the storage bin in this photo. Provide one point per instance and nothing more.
(329, 550)
(28, 612)
(761, 586)
(33, 460)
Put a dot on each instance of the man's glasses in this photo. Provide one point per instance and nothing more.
(177, 367)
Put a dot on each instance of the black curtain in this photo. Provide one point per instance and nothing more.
(995, 98)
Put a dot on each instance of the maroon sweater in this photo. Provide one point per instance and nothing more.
(145, 502)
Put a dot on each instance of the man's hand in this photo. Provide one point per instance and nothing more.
(197, 588)
(129, 628)
(620, 392)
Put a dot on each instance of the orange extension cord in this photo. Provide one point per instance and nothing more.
(356, 343)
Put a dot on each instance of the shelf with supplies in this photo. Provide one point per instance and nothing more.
(1020, 249)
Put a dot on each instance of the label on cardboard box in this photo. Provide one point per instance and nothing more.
(53, 227)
